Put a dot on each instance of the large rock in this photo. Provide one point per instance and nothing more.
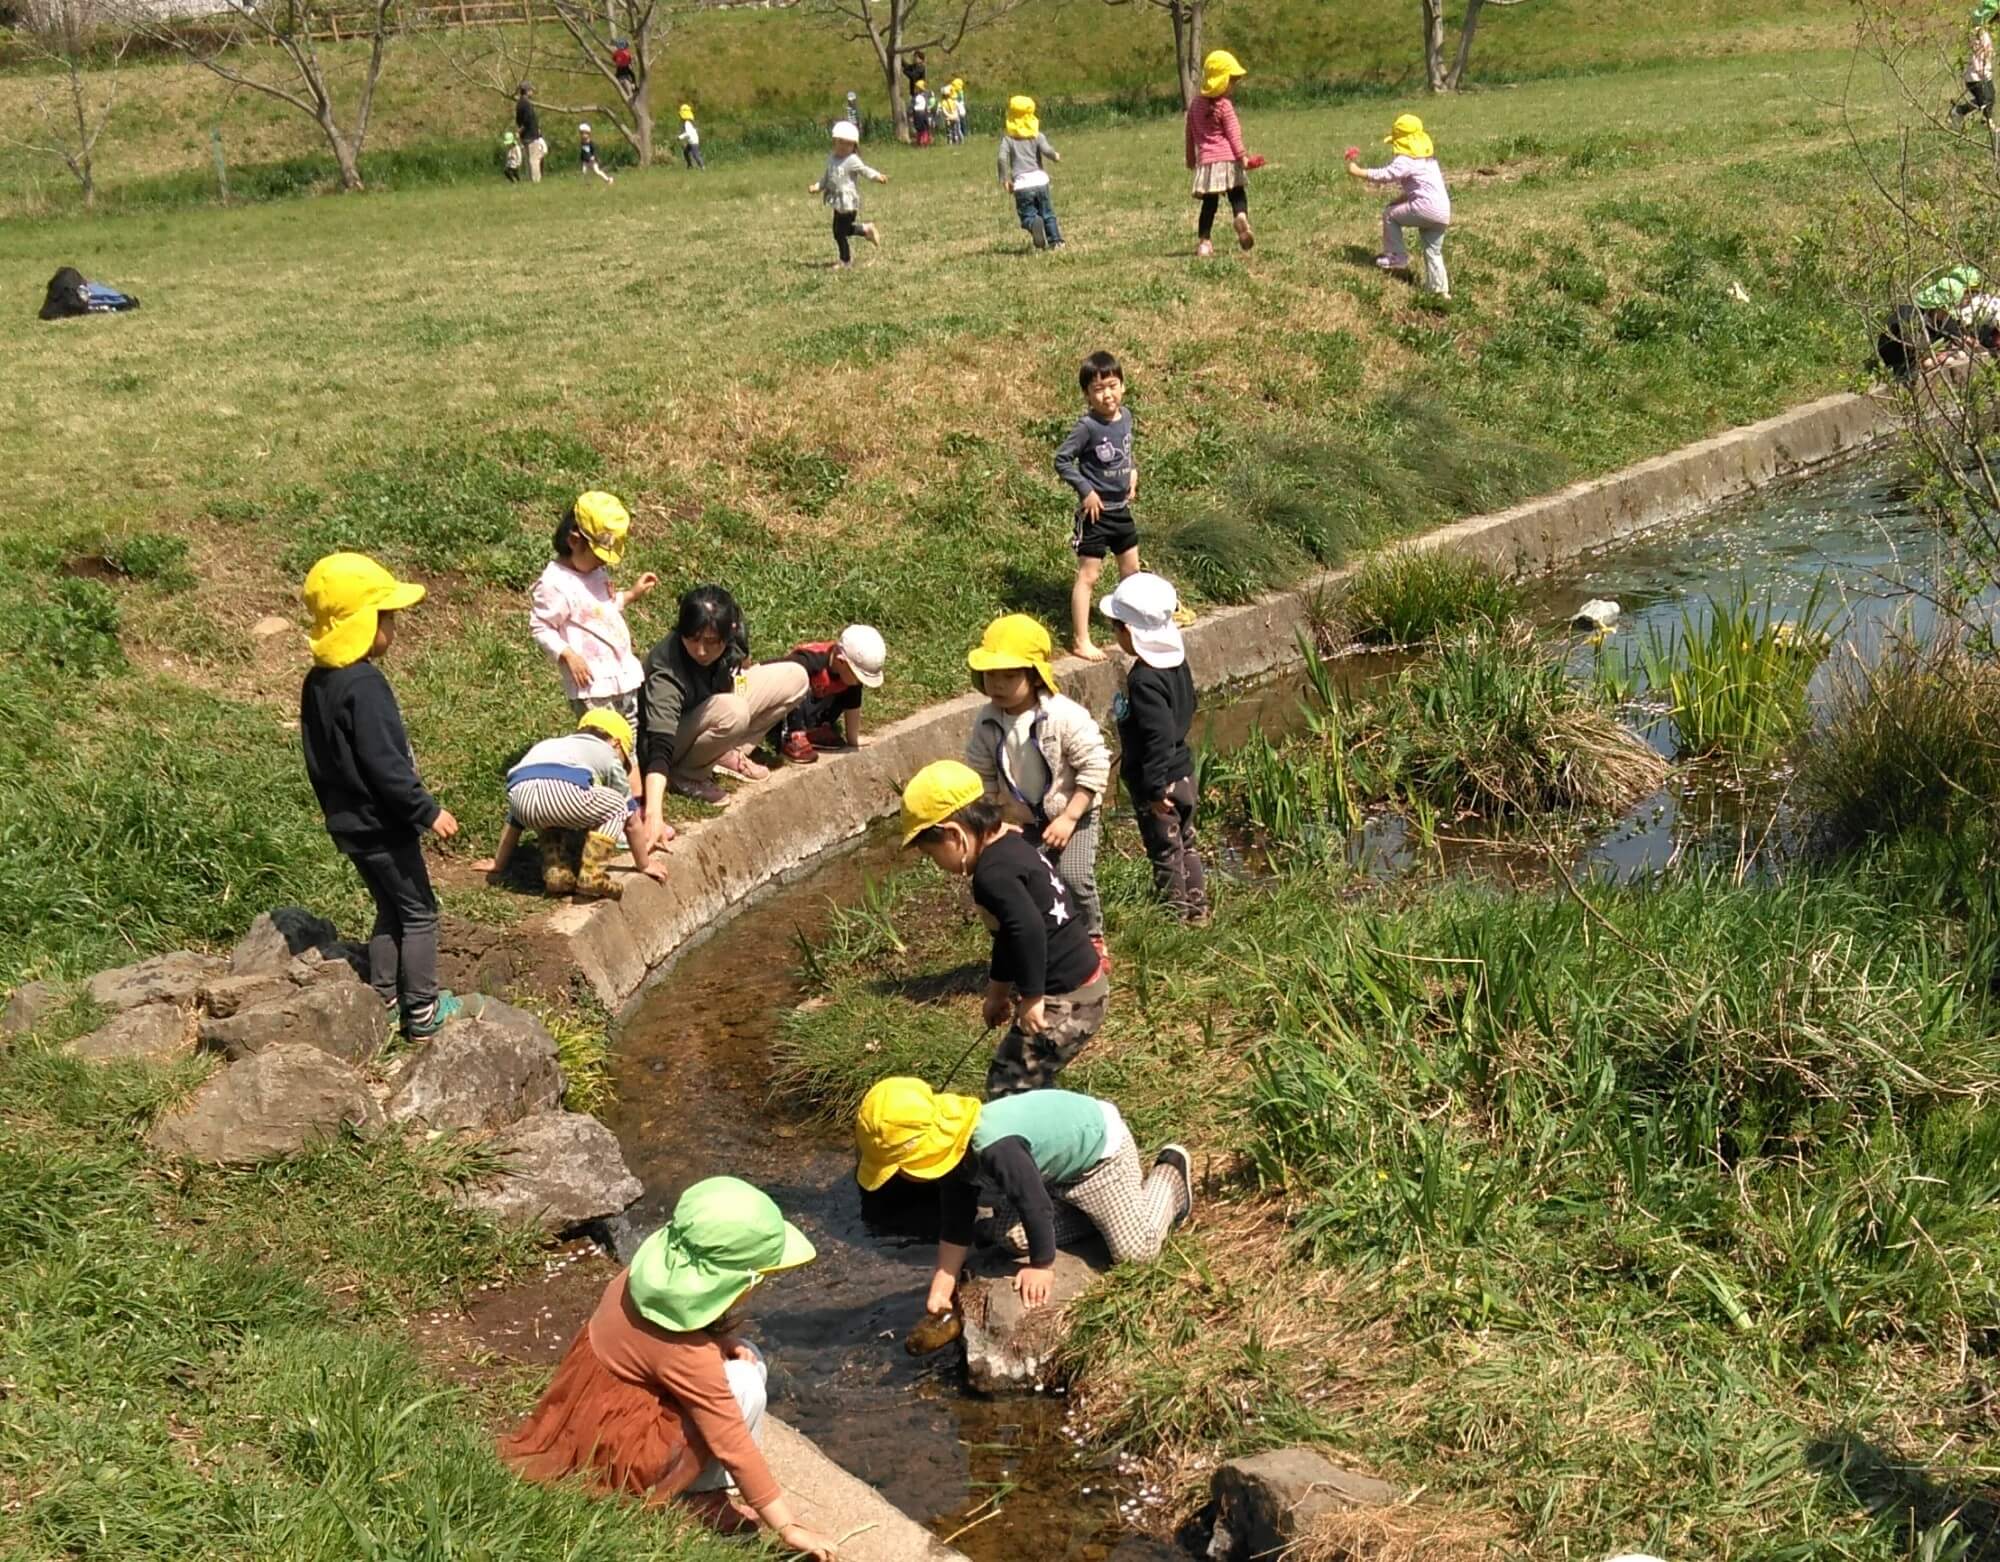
(1265, 1503)
(280, 935)
(561, 1169)
(336, 1014)
(268, 1106)
(153, 1030)
(1008, 1346)
(27, 1006)
(494, 1067)
(177, 977)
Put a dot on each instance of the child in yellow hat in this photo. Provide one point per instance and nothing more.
(1023, 148)
(690, 139)
(1423, 202)
(1040, 754)
(579, 793)
(362, 771)
(1215, 151)
(578, 617)
(1041, 1149)
(1046, 972)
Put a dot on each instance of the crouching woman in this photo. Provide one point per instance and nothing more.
(656, 1397)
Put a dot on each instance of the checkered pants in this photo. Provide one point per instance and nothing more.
(548, 804)
(1077, 863)
(1131, 1210)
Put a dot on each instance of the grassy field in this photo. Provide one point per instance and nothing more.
(429, 374)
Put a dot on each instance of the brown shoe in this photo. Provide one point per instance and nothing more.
(1244, 236)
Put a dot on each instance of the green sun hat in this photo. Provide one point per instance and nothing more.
(725, 1236)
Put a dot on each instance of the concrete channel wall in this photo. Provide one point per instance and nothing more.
(778, 824)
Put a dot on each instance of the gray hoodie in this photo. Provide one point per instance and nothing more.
(1021, 156)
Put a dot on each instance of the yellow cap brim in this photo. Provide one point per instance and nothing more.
(924, 1167)
(981, 660)
(604, 551)
(346, 640)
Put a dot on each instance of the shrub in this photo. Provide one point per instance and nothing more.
(1408, 595)
(63, 625)
(1734, 677)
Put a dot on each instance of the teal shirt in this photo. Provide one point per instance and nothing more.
(1064, 1130)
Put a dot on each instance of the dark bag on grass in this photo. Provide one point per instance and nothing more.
(70, 295)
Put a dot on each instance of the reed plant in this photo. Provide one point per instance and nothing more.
(1734, 671)
(1410, 596)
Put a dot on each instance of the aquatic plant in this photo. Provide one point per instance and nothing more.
(1734, 676)
(1406, 596)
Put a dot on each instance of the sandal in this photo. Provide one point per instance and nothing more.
(738, 762)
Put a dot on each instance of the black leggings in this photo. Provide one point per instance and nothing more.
(691, 155)
(845, 226)
(1239, 204)
(1978, 99)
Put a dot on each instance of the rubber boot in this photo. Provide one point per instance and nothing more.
(593, 879)
(559, 849)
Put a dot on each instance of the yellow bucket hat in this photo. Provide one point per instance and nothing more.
(935, 793)
(1408, 137)
(958, 84)
(724, 1238)
(687, 111)
(604, 522)
(905, 1126)
(611, 723)
(1022, 121)
(1218, 71)
(345, 592)
(1014, 641)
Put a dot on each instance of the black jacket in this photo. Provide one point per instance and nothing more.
(1041, 944)
(675, 684)
(526, 121)
(1153, 716)
(358, 757)
(1005, 1171)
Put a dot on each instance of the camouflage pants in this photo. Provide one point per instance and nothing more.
(1023, 1062)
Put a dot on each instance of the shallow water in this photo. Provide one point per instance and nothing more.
(694, 1067)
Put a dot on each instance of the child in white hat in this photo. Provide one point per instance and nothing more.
(838, 673)
(587, 155)
(840, 189)
(1153, 714)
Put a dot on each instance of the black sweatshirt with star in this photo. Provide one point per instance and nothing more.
(1040, 944)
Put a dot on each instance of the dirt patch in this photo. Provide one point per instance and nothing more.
(524, 959)
(526, 1325)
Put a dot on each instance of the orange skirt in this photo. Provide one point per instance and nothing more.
(619, 1436)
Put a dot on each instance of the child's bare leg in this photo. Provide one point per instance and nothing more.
(1128, 563)
(1082, 598)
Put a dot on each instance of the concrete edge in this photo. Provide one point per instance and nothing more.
(801, 812)
(864, 1525)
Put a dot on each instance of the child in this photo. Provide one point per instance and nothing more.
(1040, 753)
(1215, 151)
(1046, 974)
(621, 65)
(1978, 77)
(920, 114)
(362, 771)
(836, 673)
(510, 156)
(954, 116)
(838, 189)
(578, 793)
(1045, 1151)
(1424, 203)
(1022, 176)
(587, 154)
(579, 619)
(1153, 715)
(690, 139)
(853, 112)
(1096, 460)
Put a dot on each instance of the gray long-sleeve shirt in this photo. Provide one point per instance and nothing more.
(838, 186)
(1020, 155)
(1097, 458)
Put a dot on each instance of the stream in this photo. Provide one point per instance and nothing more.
(693, 1062)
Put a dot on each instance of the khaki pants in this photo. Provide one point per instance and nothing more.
(726, 721)
(537, 150)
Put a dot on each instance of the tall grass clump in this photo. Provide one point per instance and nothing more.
(1910, 741)
(1406, 596)
(1734, 676)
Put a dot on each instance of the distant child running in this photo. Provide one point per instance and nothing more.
(362, 771)
(837, 673)
(1046, 976)
(580, 793)
(1978, 78)
(1040, 755)
(1154, 713)
(839, 189)
(1423, 204)
(1215, 151)
(1045, 1152)
(510, 156)
(1022, 175)
(690, 138)
(586, 151)
(1096, 461)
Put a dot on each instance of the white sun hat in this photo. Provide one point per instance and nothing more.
(583, 130)
(1144, 603)
(845, 130)
(865, 653)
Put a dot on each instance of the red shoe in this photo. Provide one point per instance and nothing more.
(797, 749)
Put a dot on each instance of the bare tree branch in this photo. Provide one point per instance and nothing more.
(62, 32)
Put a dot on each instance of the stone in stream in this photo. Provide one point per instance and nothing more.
(270, 1105)
(153, 1030)
(27, 1006)
(1265, 1503)
(334, 1011)
(176, 977)
(280, 935)
(493, 1067)
(1008, 1346)
(560, 1170)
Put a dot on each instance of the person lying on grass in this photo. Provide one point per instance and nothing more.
(657, 1398)
(1046, 973)
(1046, 1151)
(579, 793)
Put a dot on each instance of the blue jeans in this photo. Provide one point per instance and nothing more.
(1031, 205)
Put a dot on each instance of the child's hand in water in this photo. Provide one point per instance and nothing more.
(1035, 1285)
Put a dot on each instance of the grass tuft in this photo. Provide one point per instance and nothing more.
(1734, 673)
(1406, 596)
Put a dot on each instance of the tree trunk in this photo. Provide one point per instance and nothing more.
(1187, 17)
(642, 125)
(345, 154)
(1434, 44)
(89, 182)
(1465, 32)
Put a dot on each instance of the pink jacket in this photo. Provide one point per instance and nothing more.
(1213, 135)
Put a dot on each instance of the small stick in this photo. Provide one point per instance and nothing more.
(945, 1083)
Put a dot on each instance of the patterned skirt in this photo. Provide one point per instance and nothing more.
(1217, 178)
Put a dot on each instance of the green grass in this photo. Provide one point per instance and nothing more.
(1407, 596)
(1733, 673)
(204, 1364)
